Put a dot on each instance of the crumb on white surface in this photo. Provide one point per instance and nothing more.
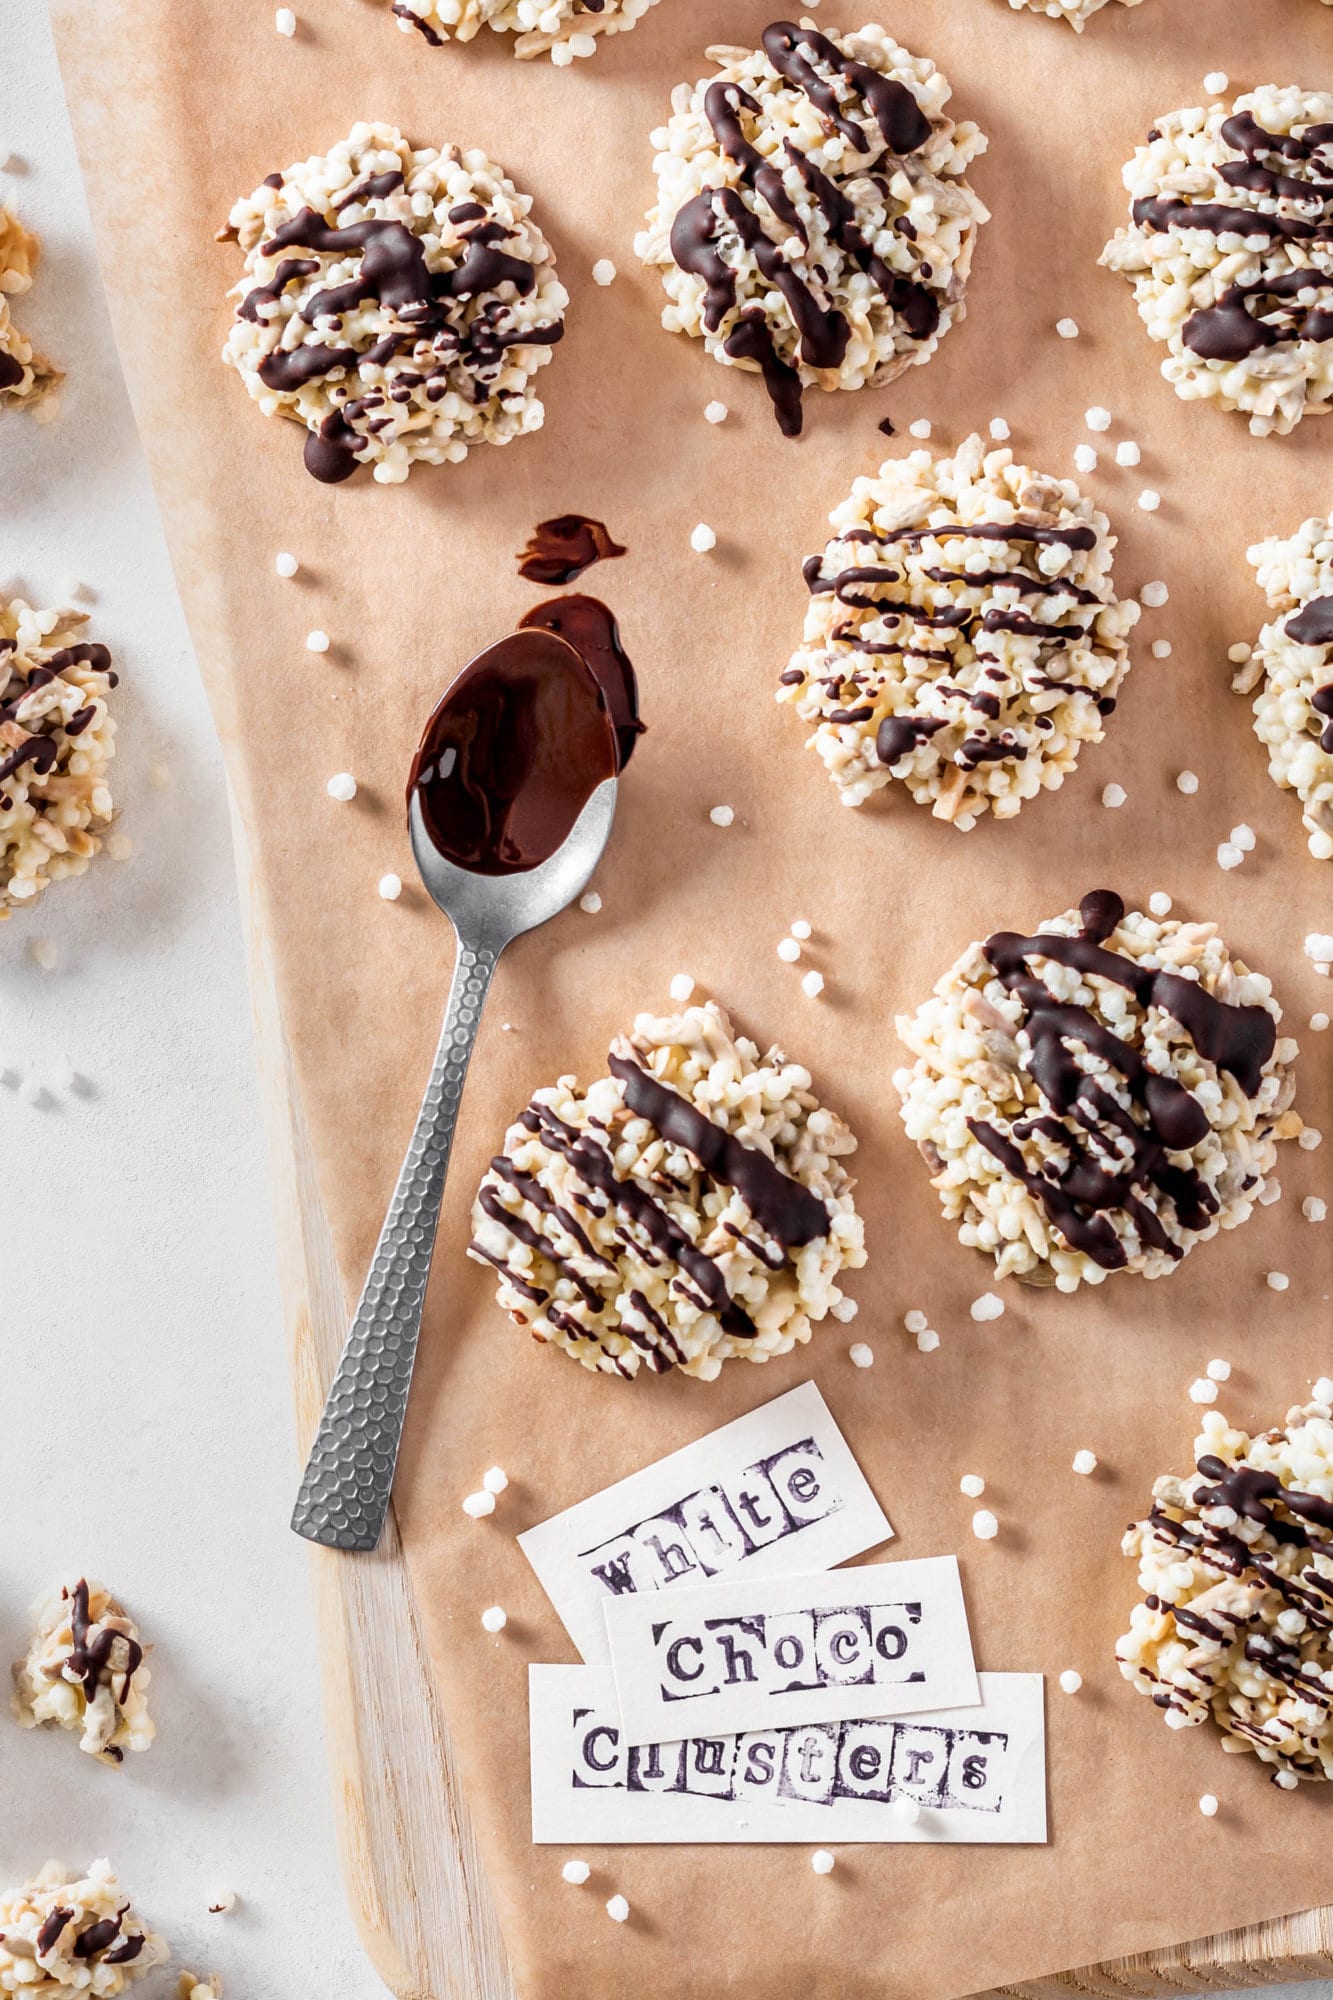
(222, 1902)
(119, 846)
(44, 952)
(906, 1808)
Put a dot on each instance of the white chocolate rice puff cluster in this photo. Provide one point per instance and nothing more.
(1292, 668)
(60, 1934)
(57, 739)
(563, 28)
(963, 635)
(86, 1670)
(813, 219)
(1236, 1566)
(1077, 12)
(1230, 252)
(1100, 1097)
(25, 377)
(690, 1207)
(397, 302)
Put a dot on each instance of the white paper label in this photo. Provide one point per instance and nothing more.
(775, 1492)
(758, 1652)
(976, 1774)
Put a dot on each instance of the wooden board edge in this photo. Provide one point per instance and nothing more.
(415, 1882)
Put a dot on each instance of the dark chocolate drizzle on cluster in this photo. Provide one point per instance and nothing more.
(859, 587)
(809, 62)
(561, 549)
(783, 1208)
(95, 1939)
(1293, 172)
(452, 325)
(1312, 625)
(42, 748)
(11, 372)
(1292, 1518)
(1107, 1160)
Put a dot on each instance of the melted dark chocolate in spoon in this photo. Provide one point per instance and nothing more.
(513, 753)
(593, 633)
(562, 548)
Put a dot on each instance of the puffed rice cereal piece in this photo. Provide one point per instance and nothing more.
(1236, 1566)
(1292, 669)
(813, 220)
(540, 26)
(191, 1988)
(60, 1934)
(963, 635)
(86, 1669)
(1230, 252)
(56, 742)
(397, 302)
(25, 377)
(1099, 1097)
(690, 1207)
(1077, 12)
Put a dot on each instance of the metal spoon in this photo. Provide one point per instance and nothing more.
(344, 1493)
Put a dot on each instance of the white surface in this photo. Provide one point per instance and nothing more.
(147, 1419)
(148, 1434)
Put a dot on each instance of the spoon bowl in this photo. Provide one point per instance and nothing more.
(344, 1495)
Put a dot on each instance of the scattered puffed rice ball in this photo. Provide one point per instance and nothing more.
(1319, 948)
(583, 46)
(1097, 419)
(972, 1484)
(822, 1861)
(119, 846)
(716, 413)
(915, 1321)
(222, 1902)
(800, 928)
(1230, 856)
(921, 428)
(494, 1619)
(576, 1872)
(1085, 457)
(1203, 1391)
(1319, 1022)
(789, 950)
(618, 1909)
(1114, 795)
(1314, 1209)
(1187, 782)
(927, 1340)
(1323, 1390)
(1085, 1462)
(1208, 1804)
(722, 815)
(1150, 500)
(906, 1808)
(1309, 1138)
(999, 430)
(1243, 837)
(844, 1310)
(285, 22)
(1067, 329)
(1277, 1281)
(590, 901)
(988, 1306)
(285, 564)
(44, 953)
(1219, 1371)
(477, 1505)
(1161, 649)
(1159, 903)
(1127, 452)
(603, 272)
(1071, 1680)
(317, 641)
(812, 985)
(390, 888)
(1216, 82)
(1240, 653)
(495, 1479)
(702, 539)
(1154, 595)
(984, 1525)
(860, 1355)
(681, 986)
(342, 785)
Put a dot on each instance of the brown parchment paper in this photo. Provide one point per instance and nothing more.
(181, 109)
